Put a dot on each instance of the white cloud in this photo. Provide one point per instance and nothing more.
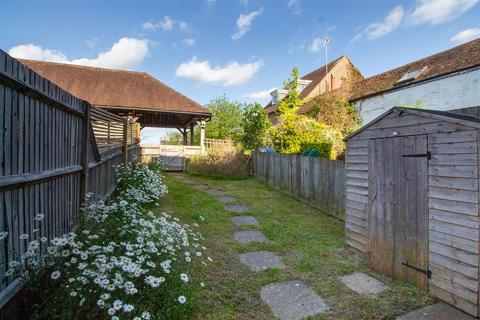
(466, 35)
(316, 45)
(294, 6)
(189, 42)
(126, 53)
(438, 11)
(244, 22)
(34, 52)
(233, 73)
(379, 29)
(167, 24)
(259, 95)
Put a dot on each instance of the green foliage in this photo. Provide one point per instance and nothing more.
(295, 133)
(255, 126)
(226, 122)
(417, 105)
(292, 101)
(335, 112)
(174, 137)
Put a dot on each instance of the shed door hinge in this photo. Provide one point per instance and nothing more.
(427, 155)
(427, 272)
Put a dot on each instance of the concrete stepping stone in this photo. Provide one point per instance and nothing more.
(201, 187)
(261, 260)
(438, 311)
(214, 192)
(226, 199)
(363, 283)
(249, 236)
(292, 300)
(236, 208)
(244, 220)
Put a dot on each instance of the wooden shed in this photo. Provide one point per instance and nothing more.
(412, 200)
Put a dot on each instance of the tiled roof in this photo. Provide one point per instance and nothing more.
(455, 59)
(315, 77)
(115, 88)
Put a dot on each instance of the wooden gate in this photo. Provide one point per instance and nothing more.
(173, 157)
(398, 216)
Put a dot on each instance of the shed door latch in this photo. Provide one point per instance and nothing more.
(427, 272)
(427, 155)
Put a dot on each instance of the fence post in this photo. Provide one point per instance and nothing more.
(85, 145)
(125, 142)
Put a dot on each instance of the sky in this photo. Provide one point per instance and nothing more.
(241, 48)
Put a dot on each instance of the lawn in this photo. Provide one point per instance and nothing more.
(311, 244)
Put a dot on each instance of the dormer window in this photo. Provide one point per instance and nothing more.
(302, 84)
(278, 94)
(410, 76)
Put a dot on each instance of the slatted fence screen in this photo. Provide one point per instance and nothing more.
(49, 159)
(318, 182)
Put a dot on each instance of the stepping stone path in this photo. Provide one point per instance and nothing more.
(292, 300)
(244, 220)
(363, 283)
(236, 208)
(249, 236)
(214, 192)
(261, 260)
(438, 311)
(226, 199)
(201, 187)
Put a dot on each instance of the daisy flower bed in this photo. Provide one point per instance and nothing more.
(123, 262)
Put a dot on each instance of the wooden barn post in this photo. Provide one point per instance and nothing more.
(125, 142)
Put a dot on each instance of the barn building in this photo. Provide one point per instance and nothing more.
(412, 200)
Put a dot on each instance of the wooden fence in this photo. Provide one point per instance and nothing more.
(318, 182)
(49, 160)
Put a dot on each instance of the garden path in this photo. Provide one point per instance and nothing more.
(292, 299)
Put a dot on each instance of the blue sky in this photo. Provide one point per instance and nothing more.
(240, 48)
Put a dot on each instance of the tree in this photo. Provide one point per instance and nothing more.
(174, 137)
(226, 122)
(295, 133)
(255, 126)
(285, 135)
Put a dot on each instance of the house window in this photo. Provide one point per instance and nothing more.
(410, 76)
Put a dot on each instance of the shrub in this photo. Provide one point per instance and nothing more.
(219, 162)
(335, 112)
(255, 125)
(124, 262)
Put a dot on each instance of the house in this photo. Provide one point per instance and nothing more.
(444, 81)
(127, 93)
(336, 76)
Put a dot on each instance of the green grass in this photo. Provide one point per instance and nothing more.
(310, 242)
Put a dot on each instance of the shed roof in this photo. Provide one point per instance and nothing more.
(116, 88)
(458, 58)
(435, 114)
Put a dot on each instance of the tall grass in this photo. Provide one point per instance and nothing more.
(219, 162)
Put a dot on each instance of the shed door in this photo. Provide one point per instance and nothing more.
(398, 214)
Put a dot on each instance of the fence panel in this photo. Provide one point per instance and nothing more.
(40, 156)
(49, 159)
(318, 182)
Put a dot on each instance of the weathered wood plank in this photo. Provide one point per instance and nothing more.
(453, 183)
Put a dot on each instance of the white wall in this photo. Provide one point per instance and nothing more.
(455, 91)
